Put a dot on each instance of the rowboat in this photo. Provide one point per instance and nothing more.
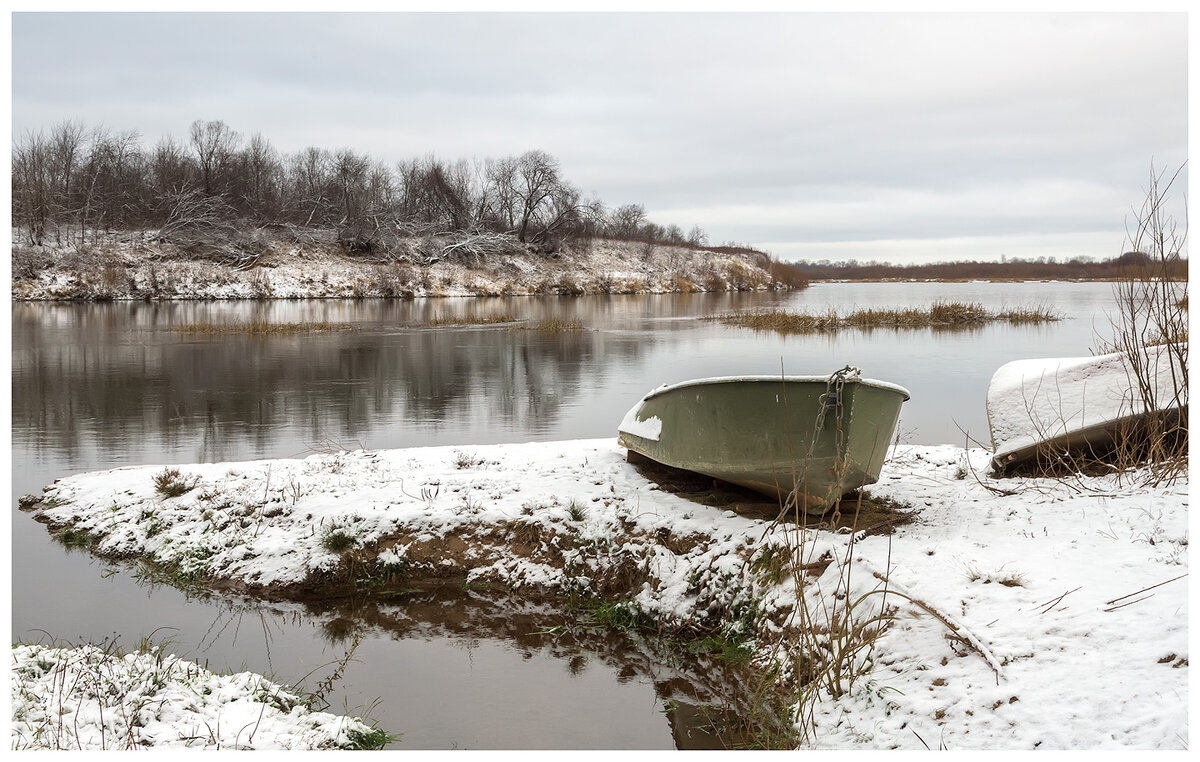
(1042, 410)
(806, 440)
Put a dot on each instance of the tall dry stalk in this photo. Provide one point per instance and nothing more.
(1150, 329)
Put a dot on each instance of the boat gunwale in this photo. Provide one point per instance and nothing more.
(887, 386)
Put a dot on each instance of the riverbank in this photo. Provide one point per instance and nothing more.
(1015, 606)
(135, 267)
(89, 698)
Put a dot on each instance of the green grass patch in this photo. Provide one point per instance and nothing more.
(726, 647)
(338, 539)
(371, 740)
(576, 511)
(75, 538)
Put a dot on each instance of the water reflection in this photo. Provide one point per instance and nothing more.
(476, 669)
(122, 375)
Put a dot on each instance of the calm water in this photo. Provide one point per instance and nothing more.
(99, 386)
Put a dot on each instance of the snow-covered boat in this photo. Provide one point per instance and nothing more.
(1045, 407)
(808, 438)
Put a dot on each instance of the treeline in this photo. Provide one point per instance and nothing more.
(74, 181)
(1042, 268)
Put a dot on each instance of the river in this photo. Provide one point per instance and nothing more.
(98, 386)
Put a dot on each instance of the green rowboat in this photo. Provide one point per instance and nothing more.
(807, 440)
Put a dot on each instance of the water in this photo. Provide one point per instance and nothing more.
(99, 386)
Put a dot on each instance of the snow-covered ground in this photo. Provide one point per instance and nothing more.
(1024, 613)
(127, 269)
(88, 698)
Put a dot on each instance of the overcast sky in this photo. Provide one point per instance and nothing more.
(900, 137)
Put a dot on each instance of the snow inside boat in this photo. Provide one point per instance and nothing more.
(808, 438)
(1040, 409)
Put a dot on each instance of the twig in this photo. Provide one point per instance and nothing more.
(1144, 589)
(1129, 603)
(1049, 605)
(958, 629)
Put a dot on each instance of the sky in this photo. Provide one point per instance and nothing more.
(901, 137)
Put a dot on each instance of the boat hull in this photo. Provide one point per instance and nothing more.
(1041, 411)
(772, 434)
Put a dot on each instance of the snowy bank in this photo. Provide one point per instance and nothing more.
(125, 268)
(87, 698)
(1024, 613)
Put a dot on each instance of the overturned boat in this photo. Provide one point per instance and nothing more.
(1044, 411)
(807, 440)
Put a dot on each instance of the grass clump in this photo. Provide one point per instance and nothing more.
(940, 315)
(261, 327)
(576, 511)
(371, 740)
(553, 325)
(471, 320)
(75, 538)
(338, 539)
(170, 483)
(624, 616)
(729, 648)
(464, 460)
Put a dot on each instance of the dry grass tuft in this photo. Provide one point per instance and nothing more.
(261, 327)
(941, 315)
(552, 325)
(472, 320)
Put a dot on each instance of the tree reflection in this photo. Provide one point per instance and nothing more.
(120, 374)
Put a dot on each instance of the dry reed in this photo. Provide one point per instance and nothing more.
(472, 320)
(941, 315)
(261, 327)
(552, 325)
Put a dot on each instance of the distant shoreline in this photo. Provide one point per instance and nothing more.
(138, 266)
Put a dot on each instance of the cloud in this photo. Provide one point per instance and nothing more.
(757, 127)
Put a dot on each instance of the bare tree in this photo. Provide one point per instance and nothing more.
(502, 193)
(627, 220)
(545, 202)
(65, 145)
(309, 179)
(31, 186)
(170, 168)
(535, 182)
(435, 194)
(215, 145)
(260, 163)
(112, 181)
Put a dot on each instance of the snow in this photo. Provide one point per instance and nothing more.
(1037, 613)
(148, 270)
(1032, 401)
(649, 429)
(87, 698)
